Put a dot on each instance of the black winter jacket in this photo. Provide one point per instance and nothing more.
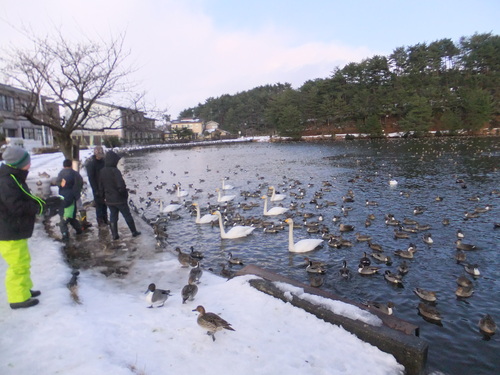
(18, 208)
(111, 184)
(94, 167)
(72, 190)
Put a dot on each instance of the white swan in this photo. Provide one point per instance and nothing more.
(276, 197)
(303, 246)
(225, 198)
(274, 210)
(181, 193)
(205, 219)
(169, 208)
(235, 232)
(226, 187)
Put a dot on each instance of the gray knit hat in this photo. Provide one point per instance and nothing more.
(16, 157)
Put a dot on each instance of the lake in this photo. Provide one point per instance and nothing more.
(443, 178)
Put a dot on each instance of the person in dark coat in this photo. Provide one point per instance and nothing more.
(70, 187)
(113, 190)
(94, 166)
(18, 210)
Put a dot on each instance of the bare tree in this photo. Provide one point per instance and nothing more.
(75, 74)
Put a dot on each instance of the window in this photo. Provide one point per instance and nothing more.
(6, 103)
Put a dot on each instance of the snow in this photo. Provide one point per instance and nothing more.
(108, 329)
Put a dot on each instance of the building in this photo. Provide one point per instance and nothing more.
(193, 124)
(14, 125)
(129, 125)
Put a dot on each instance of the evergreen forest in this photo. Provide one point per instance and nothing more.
(443, 86)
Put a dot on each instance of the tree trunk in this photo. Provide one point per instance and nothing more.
(65, 143)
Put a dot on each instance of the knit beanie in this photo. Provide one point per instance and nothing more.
(16, 157)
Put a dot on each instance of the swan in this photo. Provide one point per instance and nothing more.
(276, 197)
(274, 210)
(224, 198)
(301, 246)
(169, 208)
(205, 219)
(181, 193)
(226, 187)
(235, 232)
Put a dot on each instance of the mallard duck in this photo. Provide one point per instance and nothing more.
(487, 325)
(195, 273)
(365, 261)
(344, 271)
(472, 269)
(211, 322)
(189, 291)
(426, 295)
(464, 246)
(393, 278)
(464, 281)
(233, 260)
(367, 270)
(429, 312)
(464, 291)
(156, 296)
(386, 308)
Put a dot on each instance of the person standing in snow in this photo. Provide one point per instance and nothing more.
(18, 210)
(70, 187)
(94, 166)
(113, 190)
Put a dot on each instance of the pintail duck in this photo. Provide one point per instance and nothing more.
(211, 322)
(316, 280)
(482, 210)
(445, 221)
(393, 278)
(365, 261)
(460, 256)
(487, 325)
(472, 269)
(429, 312)
(386, 308)
(427, 238)
(312, 268)
(184, 259)
(375, 246)
(195, 273)
(403, 268)
(315, 263)
(195, 253)
(426, 295)
(371, 203)
(464, 291)
(156, 296)
(464, 246)
(346, 228)
(407, 254)
(399, 234)
(344, 271)
(464, 281)
(189, 291)
(418, 210)
(232, 260)
(362, 237)
(228, 274)
(382, 258)
(407, 221)
(367, 270)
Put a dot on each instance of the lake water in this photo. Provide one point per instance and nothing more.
(424, 169)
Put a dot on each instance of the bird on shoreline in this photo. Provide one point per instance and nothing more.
(156, 296)
(189, 291)
(211, 322)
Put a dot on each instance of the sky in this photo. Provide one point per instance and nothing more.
(111, 330)
(185, 52)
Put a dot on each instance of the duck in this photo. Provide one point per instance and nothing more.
(464, 281)
(429, 312)
(393, 182)
(205, 219)
(375, 246)
(386, 308)
(487, 325)
(407, 254)
(184, 259)
(464, 246)
(226, 186)
(302, 246)
(155, 296)
(237, 231)
(367, 270)
(460, 256)
(315, 268)
(362, 237)
(365, 261)
(224, 198)
(228, 274)
(189, 291)
(382, 258)
(274, 211)
(344, 271)
(399, 234)
(196, 254)
(472, 269)
(403, 268)
(211, 322)
(393, 278)
(464, 291)
(346, 228)
(316, 280)
(426, 295)
(233, 260)
(195, 273)
(276, 197)
(315, 263)
(427, 239)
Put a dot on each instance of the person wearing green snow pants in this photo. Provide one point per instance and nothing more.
(18, 210)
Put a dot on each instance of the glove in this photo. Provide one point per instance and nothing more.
(52, 205)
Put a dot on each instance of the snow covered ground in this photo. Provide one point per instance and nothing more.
(111, 330)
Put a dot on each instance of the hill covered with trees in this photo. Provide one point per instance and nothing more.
(442, 85)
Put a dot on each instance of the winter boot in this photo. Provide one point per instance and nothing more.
(28, 303)
(134, 231)
(63, 224)
(76, 225)
(83, 220)
(114, 231)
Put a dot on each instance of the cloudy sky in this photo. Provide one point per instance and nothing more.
(187, 51)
